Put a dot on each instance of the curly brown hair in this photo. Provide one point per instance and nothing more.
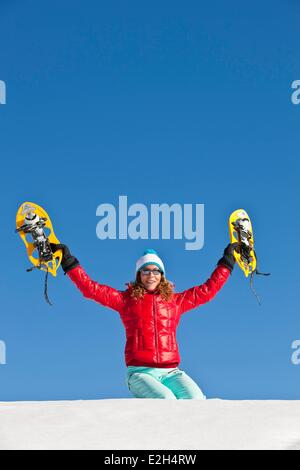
(165, 288)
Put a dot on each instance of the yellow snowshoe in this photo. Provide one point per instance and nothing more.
(241, 232)
(35, 228)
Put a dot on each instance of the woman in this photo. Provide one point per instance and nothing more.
(150, 311)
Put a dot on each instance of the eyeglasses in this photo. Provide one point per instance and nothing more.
(147, 272)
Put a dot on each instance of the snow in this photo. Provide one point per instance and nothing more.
(134, 424)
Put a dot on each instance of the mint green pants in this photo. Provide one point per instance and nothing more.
(170, 384)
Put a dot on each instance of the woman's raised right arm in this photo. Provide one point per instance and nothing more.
(101, 293)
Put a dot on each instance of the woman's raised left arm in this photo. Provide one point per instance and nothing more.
(198, 295)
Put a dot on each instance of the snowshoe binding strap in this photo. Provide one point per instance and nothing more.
(258, 273)
(45, 283)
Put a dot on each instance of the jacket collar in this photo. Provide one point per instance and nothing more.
(152, 292)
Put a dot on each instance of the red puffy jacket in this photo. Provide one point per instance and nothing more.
(150, 322)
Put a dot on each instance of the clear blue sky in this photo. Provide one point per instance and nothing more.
(163, 102)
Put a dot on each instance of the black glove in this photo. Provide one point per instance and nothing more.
(68, 261)
(228, 258)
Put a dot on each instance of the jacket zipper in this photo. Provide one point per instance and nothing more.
(155, 327)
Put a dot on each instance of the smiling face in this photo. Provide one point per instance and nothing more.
(150, 276)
